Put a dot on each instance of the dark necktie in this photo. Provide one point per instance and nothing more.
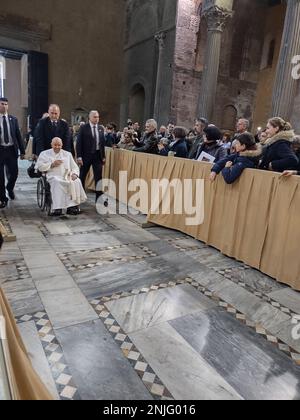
(95, 136)
(55, 127)
(5, 130)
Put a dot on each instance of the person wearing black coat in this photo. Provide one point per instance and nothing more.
(178, 147)
(149, 143)
(49, 128)
(247, 156)
(211, 144)
(111, 138)
(296, 148)
(278, 155)
(10, 144)
(90, 150)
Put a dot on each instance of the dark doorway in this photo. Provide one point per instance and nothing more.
(24, 81)
(14, 83)
(37, 86)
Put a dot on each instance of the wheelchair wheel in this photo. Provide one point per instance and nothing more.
(48, 199)
(41, 193)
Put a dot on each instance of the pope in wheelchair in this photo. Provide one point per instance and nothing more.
(67, 192)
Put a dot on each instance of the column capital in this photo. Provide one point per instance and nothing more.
(216, 18)
(160, 38)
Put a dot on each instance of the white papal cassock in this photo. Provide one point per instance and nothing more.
(65, 192)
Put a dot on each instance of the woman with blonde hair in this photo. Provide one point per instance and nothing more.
(278, 155)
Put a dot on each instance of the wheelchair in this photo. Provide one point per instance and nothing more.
(43, 193)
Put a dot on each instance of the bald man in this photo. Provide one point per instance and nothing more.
(63, 176)
(50, 127)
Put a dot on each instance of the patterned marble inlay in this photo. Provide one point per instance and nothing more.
(103, 311)
(228, 274)
(105, 228)
(65, 385)
(14, 270)
(81, 260)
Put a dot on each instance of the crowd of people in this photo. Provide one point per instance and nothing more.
(275, 148)
(68, 154)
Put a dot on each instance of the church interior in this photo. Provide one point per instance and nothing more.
(124, 301)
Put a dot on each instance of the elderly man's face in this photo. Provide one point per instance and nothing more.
(54, 113)
(149, 128)
(241, 126)
(56, 145)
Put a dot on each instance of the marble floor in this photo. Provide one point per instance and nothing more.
(109, 310)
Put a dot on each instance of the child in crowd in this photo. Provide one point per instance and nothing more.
(247, 156)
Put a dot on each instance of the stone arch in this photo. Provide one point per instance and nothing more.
(137, 98)
(229, 117)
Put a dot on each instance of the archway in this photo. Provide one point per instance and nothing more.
(24, 80)
(137, 103)
(14, 83)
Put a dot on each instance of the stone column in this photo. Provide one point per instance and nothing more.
(160, 38)
(216, 18)
(285, 86)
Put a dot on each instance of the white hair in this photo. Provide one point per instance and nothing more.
(56, 139)
(153, 123)
(245, 122)
(92, 113)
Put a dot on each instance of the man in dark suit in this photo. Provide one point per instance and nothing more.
(49, 128)
(90, 150)
(10, 144)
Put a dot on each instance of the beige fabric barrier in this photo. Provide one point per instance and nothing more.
(24, 382)
(255, 220)
(89, 182)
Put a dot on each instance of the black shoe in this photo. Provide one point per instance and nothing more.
(11, 195)
(73, 211)
(3, 204)
(56, 213)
